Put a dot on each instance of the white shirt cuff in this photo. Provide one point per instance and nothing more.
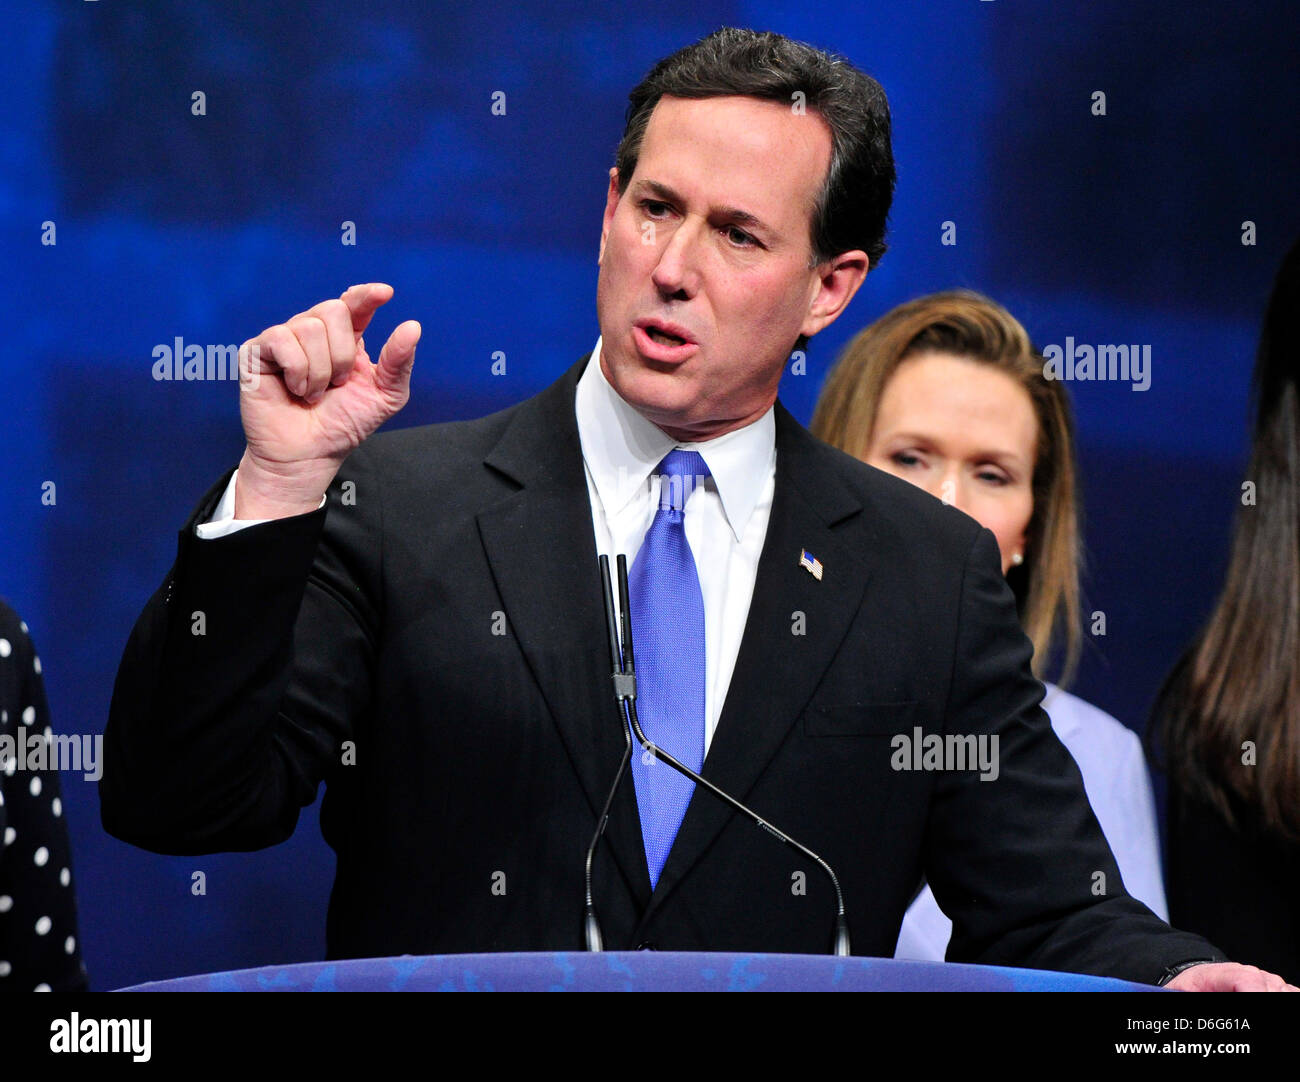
(223, 521)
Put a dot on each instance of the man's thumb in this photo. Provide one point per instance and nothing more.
(393, 369)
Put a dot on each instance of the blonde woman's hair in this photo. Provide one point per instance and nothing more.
(966, 324)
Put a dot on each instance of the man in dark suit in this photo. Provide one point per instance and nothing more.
(416, 619)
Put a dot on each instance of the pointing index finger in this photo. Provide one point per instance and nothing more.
(363, 300)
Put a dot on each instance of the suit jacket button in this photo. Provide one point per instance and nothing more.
(645, 946)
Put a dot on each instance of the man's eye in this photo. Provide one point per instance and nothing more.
(653, 207)
(745, 240)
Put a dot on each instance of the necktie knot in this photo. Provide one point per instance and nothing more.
(681, 472)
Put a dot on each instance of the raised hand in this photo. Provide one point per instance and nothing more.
(308, 396)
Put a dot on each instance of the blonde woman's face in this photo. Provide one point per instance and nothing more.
(965, 432)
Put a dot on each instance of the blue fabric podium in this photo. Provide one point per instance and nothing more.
(636, 971)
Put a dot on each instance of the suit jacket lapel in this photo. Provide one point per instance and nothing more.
(542, 552)
(778, 669)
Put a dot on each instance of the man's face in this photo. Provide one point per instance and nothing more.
(711, 242)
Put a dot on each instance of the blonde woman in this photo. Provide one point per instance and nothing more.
(948, 392)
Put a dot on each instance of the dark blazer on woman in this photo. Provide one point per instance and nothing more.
(1239, 883)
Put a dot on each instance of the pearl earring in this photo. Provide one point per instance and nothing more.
(1017, 559)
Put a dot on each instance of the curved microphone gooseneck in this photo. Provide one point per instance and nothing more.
(625, 693)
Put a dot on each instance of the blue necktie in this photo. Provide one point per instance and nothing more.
(668, 633)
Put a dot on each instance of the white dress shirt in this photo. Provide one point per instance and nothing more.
(725, 518)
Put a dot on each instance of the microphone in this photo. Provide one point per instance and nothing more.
(625, 693)
(595, 942)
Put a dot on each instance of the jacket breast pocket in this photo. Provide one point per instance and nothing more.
(861, 719)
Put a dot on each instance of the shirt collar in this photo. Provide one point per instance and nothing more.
(621, 449)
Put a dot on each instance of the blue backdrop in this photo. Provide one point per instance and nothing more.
(1125, 227)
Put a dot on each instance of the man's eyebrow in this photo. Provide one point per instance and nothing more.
(734, 214)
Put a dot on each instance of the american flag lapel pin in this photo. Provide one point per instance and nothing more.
(810, 562)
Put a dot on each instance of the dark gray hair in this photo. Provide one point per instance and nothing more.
(853, 205)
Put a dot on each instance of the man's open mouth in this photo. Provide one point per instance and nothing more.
(663, 337)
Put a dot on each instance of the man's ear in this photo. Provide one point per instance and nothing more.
(611, 204)
(837, 280)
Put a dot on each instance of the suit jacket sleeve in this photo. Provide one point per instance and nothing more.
(244, 677)
(1018, 861)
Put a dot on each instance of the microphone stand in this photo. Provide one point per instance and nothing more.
(625, 693)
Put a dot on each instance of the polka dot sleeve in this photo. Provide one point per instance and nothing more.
(38, 913)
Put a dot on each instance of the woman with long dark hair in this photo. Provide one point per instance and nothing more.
(1227, 721)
